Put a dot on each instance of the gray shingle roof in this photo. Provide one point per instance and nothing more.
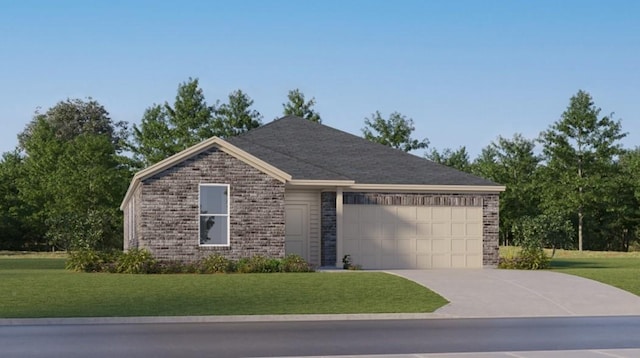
(312, 151)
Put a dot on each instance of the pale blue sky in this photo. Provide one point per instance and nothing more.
(465, 71)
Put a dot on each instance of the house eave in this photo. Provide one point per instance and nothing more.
(427, 188)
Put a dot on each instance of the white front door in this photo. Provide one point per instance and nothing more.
(297, 229)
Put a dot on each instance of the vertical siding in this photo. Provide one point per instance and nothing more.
(312, 198)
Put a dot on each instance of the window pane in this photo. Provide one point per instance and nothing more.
(213, 199)
(213, 230)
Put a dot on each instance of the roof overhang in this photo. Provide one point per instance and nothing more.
(427, 188)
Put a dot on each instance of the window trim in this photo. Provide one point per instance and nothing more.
(227, 215)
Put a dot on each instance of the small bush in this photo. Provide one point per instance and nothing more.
(216, 264)
(136, 261)
(526, 259)
(89, 260)
(258, 264)
(295, 263)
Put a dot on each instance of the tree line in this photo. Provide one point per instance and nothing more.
(62, 185)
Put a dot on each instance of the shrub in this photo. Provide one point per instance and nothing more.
(258, 264)
(216, 264)
(136, 261)
(295, 263)
(90, 260)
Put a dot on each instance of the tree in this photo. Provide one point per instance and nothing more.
(298, 107)
(73, 180)
(394, 132)
(579, 150)
(166, 130)
(458, 158)
(70, 118)
(15, 233)
(512, 162)
(236, 116)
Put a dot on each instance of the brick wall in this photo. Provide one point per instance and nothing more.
(168, 209)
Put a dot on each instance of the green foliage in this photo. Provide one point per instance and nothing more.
(258, 264)
(236, 116)
(512, 162)
(15, 231)
(141, 261)
(458, 159)
(72, 177)
(298, 107)
(295, 263)
(531, 234)
(394, 132)
(90, 260)
(580, 150)
(216, 263)
(532, 259)
(168, 129)
(136, 261)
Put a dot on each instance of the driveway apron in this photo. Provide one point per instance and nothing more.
(514, 293)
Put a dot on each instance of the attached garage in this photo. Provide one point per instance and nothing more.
(399, 237)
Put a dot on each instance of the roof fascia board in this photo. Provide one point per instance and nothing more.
(320, 183)
(430, 188)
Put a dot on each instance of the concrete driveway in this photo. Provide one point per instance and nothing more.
(514, 293)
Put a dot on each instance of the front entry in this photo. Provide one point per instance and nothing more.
(297, 230)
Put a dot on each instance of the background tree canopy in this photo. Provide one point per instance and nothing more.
(61, 188)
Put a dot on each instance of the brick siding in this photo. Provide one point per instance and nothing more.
(168, 210)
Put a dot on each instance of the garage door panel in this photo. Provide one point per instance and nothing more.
(381, 236)
(458, 245)
(406, 230)
(458, 229)
(441, 229)
(369, 214)
(402, 261)
(441, 214)
(474, 245)
(474, 260)
(388, 230)
(458, 214)
(388, 214)
(423, 246)
(423, 229)
(423, 214)
(441, 261)
(351, 247)
(474, 214)
(440, 246)
(423, 261)
(474, 229)
(458, 261)
(407, 214)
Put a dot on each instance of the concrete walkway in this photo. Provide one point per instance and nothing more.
(513, 293)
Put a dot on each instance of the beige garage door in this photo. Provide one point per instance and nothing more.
(386, 237)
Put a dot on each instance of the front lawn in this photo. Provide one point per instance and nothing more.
(40, 287)
(619, 269)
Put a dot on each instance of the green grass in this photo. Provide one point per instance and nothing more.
(619, 269)
(40, 287)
